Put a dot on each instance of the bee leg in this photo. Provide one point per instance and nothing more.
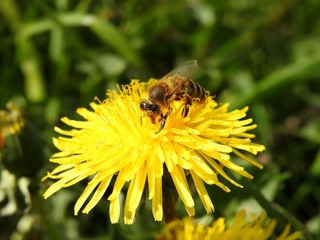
(163, 121)
(187, 104)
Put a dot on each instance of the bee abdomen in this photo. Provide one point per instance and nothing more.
(196, 91)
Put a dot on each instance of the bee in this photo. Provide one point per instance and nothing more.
(174, 86)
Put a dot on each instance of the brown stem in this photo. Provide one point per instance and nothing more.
(169, 209)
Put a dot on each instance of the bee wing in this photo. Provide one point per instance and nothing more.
(187, 70)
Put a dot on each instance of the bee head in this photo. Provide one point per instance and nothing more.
(149, 107)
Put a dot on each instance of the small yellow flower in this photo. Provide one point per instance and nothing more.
(11, 123)
(11, 120)
(117, 141)
(241, 229)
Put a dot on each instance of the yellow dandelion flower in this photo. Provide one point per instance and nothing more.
(118, 141)
(11, 121)
(241, 229)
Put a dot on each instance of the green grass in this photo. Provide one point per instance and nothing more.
(56, 56)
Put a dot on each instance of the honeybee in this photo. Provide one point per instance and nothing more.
(175, 86)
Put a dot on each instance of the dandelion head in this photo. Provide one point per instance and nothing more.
(242, 228)
(121, 148)
(11, 120)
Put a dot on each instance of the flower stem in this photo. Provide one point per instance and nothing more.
(169, 209)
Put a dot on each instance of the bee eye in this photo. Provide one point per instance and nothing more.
(154, 108)
(144, 106)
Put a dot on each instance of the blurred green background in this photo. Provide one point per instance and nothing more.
(56, 56)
